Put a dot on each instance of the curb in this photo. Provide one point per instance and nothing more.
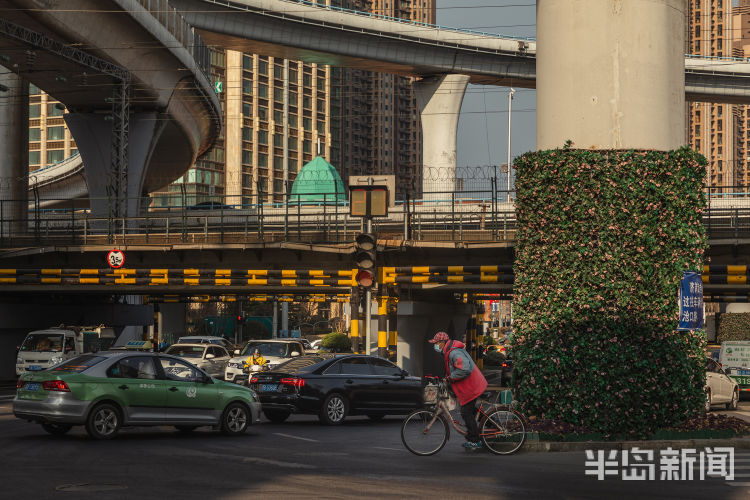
(550, 446)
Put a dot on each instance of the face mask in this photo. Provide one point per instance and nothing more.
(437, 348)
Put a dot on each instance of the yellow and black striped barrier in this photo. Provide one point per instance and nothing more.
(166, 299)
(215, 277)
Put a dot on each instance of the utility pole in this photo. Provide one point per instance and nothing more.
(510, 110)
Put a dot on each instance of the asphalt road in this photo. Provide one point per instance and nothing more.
(302, 459)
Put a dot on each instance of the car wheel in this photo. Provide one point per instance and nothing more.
(186, 428)
(235, 419)
(276, 416)
(376, 416)
(334, 409)
(56, 429)
(103, 421)
(707, 404)
(732, 405)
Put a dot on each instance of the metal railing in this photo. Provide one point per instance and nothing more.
(172, 20)
(466, 216)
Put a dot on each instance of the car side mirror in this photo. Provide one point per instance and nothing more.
(295, 354)
(237, 352)
(210, 356)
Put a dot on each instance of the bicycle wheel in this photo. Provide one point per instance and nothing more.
(503, 432)
(420, 440)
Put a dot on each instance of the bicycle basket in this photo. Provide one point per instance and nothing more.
(430, 394)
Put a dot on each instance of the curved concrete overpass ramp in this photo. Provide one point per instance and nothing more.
(174, 114)
(340, 37)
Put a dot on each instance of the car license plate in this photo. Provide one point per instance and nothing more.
(269, 387)
(31, 386)
(35, 367)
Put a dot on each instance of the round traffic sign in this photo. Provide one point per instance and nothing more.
(115, 258)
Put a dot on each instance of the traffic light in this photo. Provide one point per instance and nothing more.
(240, 319)
(365, 258)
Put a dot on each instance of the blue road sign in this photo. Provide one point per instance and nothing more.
(691, 301)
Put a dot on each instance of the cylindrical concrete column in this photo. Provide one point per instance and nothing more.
(14, 147)
(611, 74)
(439, 99)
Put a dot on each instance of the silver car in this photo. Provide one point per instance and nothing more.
(720, 387)
(210, 358)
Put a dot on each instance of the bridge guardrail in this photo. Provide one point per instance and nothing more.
(467, 216)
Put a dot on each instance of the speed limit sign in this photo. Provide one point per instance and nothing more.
(115, 258)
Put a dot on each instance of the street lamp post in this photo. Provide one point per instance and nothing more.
(510, 109)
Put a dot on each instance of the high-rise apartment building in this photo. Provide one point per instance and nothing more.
(721, 132)
(279, 115)
(49, 138)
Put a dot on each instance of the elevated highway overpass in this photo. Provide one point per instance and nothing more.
(313, 33)
(134, 65)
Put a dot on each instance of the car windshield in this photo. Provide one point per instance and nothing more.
(277, 349)
(78, 364)
(43, 342)
(186, 351)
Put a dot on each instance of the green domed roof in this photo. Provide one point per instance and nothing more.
(318, 180)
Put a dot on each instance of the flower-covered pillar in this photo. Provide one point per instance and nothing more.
(606, 231)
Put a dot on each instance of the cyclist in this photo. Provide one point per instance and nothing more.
(255, 359)
(466, 380)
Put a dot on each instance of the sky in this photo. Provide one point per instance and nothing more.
(483, 124)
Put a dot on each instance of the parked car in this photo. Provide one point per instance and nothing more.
(207, 339)
(108, 390)
(210, 358)
(334, 387)
(720, 387)
(274, 351)
(507, 371)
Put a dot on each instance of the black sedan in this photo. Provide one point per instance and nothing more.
(333, 387)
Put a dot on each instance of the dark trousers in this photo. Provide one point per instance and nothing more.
(469, 414)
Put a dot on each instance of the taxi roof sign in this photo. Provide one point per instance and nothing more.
(141, 345)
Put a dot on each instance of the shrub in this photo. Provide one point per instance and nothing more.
(733, 326)
(603, 238)
(338, 342)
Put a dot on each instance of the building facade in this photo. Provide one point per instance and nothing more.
(721, 132)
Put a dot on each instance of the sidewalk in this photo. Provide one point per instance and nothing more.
(547, 446)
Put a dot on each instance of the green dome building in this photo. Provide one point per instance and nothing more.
(316, 181)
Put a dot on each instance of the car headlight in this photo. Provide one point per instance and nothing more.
(55, 360)
(234, 365)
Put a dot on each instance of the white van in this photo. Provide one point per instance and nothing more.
(42, 349)
(734, 358)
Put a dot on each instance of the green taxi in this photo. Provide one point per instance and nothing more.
(108, 390)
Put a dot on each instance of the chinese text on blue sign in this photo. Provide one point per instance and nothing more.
(691, 301)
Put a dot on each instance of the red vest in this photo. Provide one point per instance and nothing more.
(469, 388)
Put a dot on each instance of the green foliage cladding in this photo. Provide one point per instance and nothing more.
(603, 238)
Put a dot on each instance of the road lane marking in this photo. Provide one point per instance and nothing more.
(296, 437)
(385, 448)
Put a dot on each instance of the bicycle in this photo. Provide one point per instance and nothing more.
(425, 431)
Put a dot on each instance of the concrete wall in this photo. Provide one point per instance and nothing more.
(417, 323)
(611, 74)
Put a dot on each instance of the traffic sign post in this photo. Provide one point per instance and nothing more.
(367, 201)
(115, 258)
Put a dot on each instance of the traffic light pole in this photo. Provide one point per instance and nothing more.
(368, 301)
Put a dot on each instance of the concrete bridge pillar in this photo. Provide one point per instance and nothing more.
(611, 74)
(93, 136)
(14, 147)
(439, 99)
(418, 322)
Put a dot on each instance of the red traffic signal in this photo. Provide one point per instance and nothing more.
(365, 278)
